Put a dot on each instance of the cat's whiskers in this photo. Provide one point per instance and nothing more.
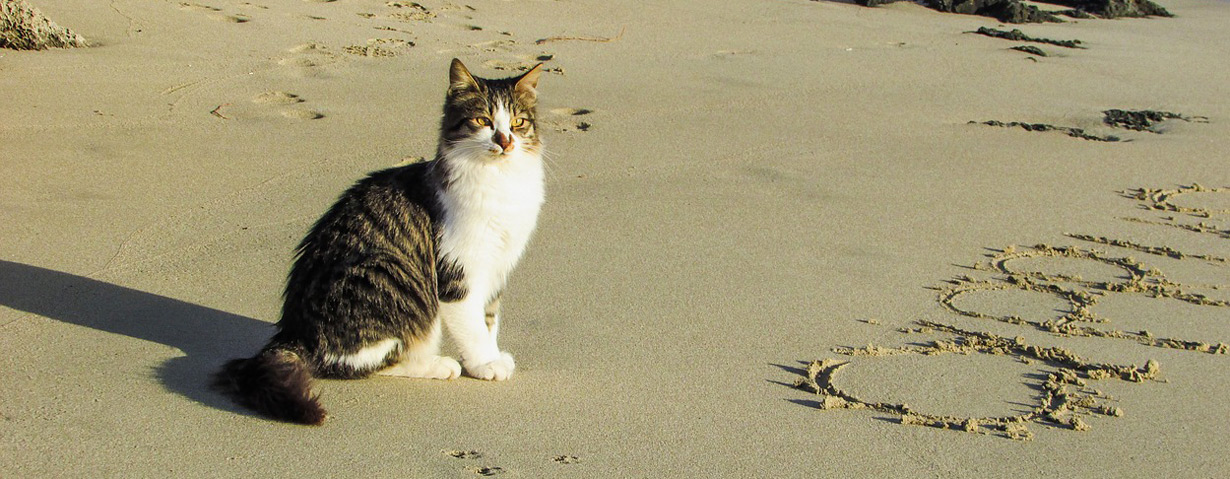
(548, 164)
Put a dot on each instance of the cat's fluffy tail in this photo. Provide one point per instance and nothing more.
(276, 383)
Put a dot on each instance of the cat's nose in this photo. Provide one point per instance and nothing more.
(505, 141)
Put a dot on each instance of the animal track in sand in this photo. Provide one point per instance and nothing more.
(1077, 279)
(493, 470)
(379, 47)
(462, 454)
(472, 454)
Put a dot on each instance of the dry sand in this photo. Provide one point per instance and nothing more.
(736, 188)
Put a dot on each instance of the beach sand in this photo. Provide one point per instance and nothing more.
(736, 189)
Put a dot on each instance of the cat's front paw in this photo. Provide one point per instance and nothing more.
(497, 370)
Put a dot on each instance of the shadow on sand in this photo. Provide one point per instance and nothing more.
(208, 337)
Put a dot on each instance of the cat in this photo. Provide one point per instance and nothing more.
(404, 251)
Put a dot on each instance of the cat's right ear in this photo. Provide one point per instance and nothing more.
(460, 78)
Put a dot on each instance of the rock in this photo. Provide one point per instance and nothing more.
(23, 27)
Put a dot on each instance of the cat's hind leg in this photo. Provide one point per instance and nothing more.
(422, 359)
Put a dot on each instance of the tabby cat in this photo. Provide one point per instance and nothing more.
(402, 252)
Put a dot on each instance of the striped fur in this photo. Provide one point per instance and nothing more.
(402, 252)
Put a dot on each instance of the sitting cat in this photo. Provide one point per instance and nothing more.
(402, 252)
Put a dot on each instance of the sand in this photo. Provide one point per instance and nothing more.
(736, 189)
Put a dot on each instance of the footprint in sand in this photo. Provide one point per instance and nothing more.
(307, 58)
(283, 99)
(214, 12)
(410, 12)
(311, 48)
(380, 47)
(198, 7)
(518, 63)
(565, 119)
(496, 46)
(303, 114)
(277, 98)
(300, 62)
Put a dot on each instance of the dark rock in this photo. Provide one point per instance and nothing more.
(1015, 11)
(1076, 14)
(1115, 8)
(1008, 11)
(1018, 36)
(1030, 49)
(1142, 120)
(1072, 132)
(875, 3)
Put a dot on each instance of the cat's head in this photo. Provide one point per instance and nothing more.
(491, 119)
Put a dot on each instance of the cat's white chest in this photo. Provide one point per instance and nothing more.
(489, 214)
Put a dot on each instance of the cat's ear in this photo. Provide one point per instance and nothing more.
(460, 78)
(528, 81)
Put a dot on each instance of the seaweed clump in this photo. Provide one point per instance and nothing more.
(1030, 49)
(1067, 130)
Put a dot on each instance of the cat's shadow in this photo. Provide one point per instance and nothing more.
(207, 336)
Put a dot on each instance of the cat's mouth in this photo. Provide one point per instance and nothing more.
(498, 152)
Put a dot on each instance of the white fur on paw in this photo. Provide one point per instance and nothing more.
(439, 367)
(497, 370)
(445, 367)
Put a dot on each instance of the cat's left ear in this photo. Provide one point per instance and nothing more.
(528, 81)
(459, 77)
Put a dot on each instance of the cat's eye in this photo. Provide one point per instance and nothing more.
(518, 123)
(482, 121)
